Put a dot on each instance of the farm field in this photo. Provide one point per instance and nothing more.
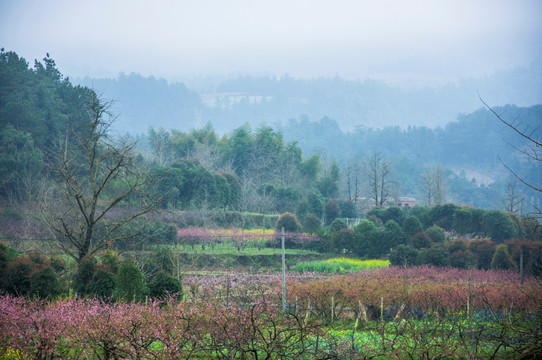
(418, 313)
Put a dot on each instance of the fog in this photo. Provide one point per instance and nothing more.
(424, 41)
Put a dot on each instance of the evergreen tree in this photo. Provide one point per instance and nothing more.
(411, 226)
(130, 282)
(501, 259)
(163, 284)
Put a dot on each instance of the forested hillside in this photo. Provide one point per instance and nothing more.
(371, 103)
(279, 166)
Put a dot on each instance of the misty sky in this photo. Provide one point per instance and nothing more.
(174, 39)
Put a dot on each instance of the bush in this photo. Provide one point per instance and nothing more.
(311, 223)
(411, 226)
(435, 256)
(348, 209)
(421, 240)
(110, 259)
(462, 259)
(436, 233)
(289, 222)
(44, 283)
(499, 226)
(337, 225)
(484, 250)
(7, 254)
(457, 244)
(130, 282)
(83, 275)
(404, 255)
(16, 279)
(102, 284)
(343, 240)
(501, 259)
(332, 211)
(163, 284)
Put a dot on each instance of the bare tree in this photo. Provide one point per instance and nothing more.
(532, 151)
(513, 197)
(210, 158)
(161, 146)
(381, 184)
(434, 186)
(98, 176)
(352, 178)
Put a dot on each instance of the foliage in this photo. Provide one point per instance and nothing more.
(435, 255)
(289, 222)
(411, 226)
(130, 282)
(311, 223)
(483, 249)
(343, 241)
(163, 285)
(332, 211)
(426, 312)
(501, 258)
(499, 226)
(44, 283)
(436, 233)
(83, 275)
(404, 255)
(103, 284)
(443, 215)
(421, 240)
(337, 225)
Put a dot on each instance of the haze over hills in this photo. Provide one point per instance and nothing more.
(142, 102)
(349, 119)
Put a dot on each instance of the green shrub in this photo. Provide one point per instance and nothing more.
(404, 255)
(44, 283)
(436, 233)
(16, 279)
(102, 284)
(435, 256)
(501, 259)
(311, 223)
(421, 240)
(411, 226)
(130, 282)
(163, 284)
(83, 275)
(289, 222)
(110, 259)
(463, 259)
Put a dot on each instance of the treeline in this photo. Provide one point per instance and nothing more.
(39, 110)
(105, 276)
(442, 235)
(471, 150)
(248, 170)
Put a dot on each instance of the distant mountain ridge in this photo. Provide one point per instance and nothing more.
(147, 101)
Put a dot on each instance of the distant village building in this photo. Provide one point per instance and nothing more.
(406, 202)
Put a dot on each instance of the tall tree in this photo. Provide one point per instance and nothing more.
(513, 198)
(434, 186)
(380, 182)
(352, 179)
(97, 175)
(531, 152)
(161, 146)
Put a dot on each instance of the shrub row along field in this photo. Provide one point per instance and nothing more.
(386, 313)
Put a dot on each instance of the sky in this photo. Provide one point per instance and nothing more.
(388, 39)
